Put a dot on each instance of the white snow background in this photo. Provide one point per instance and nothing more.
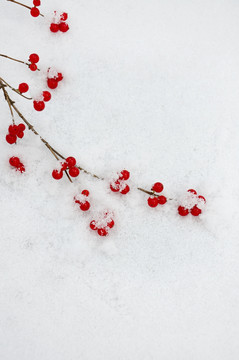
(151, 86)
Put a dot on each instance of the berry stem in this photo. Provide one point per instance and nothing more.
(2, 86)
(17, 60)
(150, 192)
(18, 3)
(16, 91)
(146, 191)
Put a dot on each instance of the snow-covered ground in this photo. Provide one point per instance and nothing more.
(151, 86)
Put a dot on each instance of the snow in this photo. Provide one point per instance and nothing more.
(152, 87)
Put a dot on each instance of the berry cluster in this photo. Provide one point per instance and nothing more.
(192, 204)
(35, 12)
(82, 200)
(33, 58)
(39, 104)
(16, 163)
(14, 132)
(53, 78)
(59, 23)
(103, 224)
(156, 199)
(69, 164)
(119, 184)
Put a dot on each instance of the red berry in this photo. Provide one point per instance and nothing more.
(13, 129)
(102, 232)
(157, 187)
(183, 211)
(59, 77)
(114, 187)
(195, 211)
(21, 127)
(93, 225)
(111, 224)
(152, 202)
(35, 12)
(85, 206)
(23, 87)
(63, 27)
(36, 2)
(11, 139)
(64, 16)
(202, 198)
(54, 27)
(34, 58)
(20, 134)
(162, 200)
(192, 191)
(52, 83)
(125, 174)
(14, 161)
(74, 171)
(46, 96)
(57, 175)
(38, 105)
(125, 190)
(71, 161)
(85, 192)
(33, 67)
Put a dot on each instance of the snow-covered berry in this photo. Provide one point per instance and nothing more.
(183, 211)
(38, 105)
(46, 96)
(52, 83)
(57, 175)
(125, 189)
(103, 232)
(63, 27)
(64, 16)
(195, 211)
(124, 175)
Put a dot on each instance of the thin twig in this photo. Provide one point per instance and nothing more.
(15, 90)
(18, 3)
(17, 60)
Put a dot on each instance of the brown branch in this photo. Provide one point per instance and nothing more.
(18, 3)
(2, 86)
(54, 152)
(17, 60)
(15, 90)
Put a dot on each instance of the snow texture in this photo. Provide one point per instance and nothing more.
(151, 86)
